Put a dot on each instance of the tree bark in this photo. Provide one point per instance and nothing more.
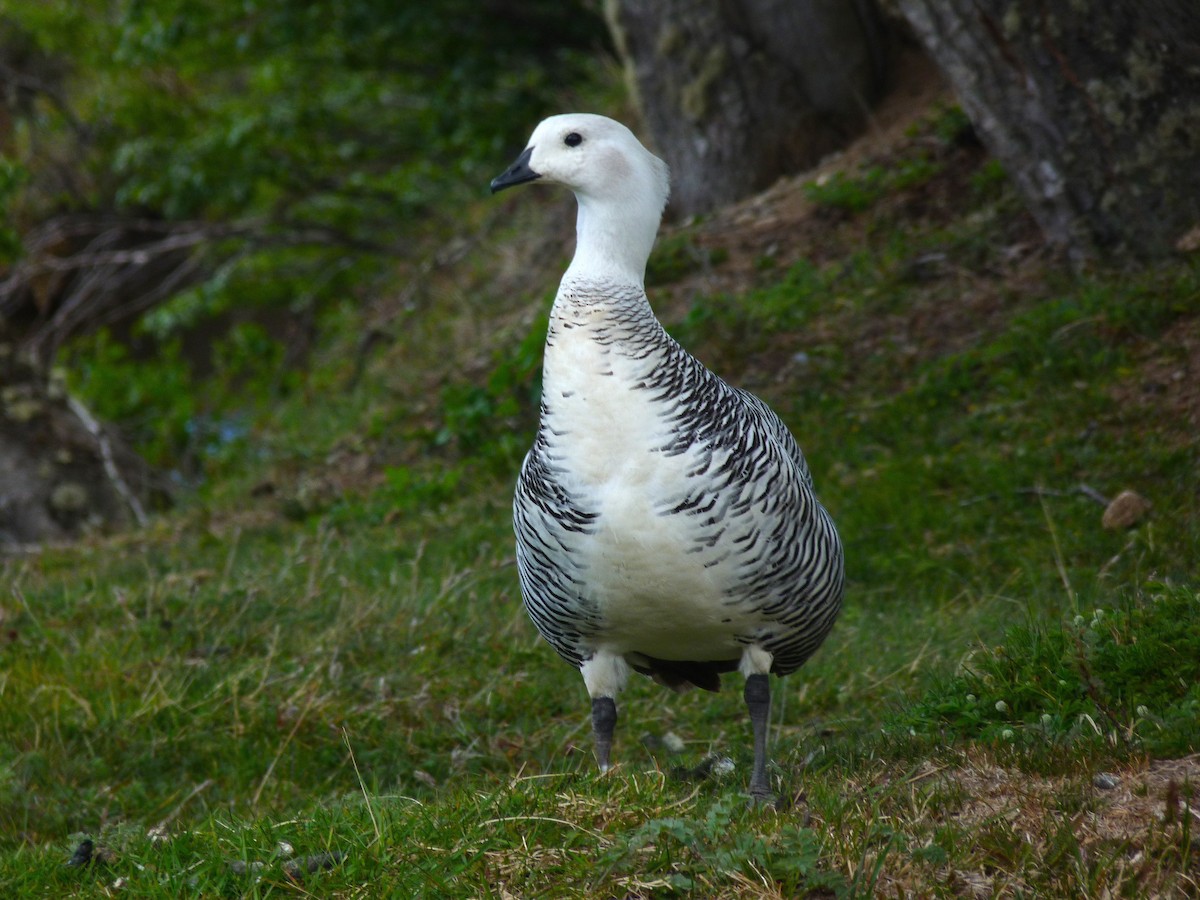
(1092, 106)
(61, 472)
(736, 93)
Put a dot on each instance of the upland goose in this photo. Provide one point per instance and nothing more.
(666, 522)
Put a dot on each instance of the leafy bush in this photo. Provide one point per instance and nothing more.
(155, 400)
(314, 142)
(173, 417)
(335, 115)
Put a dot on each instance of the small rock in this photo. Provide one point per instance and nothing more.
(308, 865)
(241, 867)
(652, 741)
(722, 766)
(1127, 509)
(105, 856)
(82, 855)
(1106, 781)
(673, 742)
(712, 766)
(1189, 242)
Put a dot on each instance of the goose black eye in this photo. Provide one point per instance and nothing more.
(574, 139)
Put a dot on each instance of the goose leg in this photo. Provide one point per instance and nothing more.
(604, 720)
(758, 702)
(604, 674)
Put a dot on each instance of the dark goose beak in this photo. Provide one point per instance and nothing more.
(518, 173)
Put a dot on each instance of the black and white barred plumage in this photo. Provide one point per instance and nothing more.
(665, 521)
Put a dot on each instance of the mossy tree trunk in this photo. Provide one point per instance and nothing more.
(1092, 106)
(62, 473)
(736, 93)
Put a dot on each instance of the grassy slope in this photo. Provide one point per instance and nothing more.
(328, 659)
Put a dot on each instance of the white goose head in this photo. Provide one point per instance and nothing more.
(621, 188)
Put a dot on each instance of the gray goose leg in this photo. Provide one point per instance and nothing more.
(604, 720)
(758, 702)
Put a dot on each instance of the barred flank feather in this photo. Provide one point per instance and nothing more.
(742, 493)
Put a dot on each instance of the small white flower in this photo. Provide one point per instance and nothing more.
(1001, 706)
(1142, 712)
(971, 698)
(1078, 621)
(1007, 734)
(1046, 720)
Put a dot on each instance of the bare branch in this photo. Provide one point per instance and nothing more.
(106, 457)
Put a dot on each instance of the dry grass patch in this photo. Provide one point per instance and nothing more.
(980, 828)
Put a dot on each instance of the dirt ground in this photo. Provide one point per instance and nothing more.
(1134, 814)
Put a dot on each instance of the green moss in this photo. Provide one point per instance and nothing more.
(695, 95)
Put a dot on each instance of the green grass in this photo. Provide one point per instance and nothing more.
(1115, 680)
(262, 682)
(856, 193)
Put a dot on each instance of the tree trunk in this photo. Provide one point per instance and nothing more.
(736, 93)
(61, 472)
(1092, 106)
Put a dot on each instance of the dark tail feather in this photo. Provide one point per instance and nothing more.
(679, 675)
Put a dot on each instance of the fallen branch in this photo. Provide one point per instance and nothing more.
(106, 457)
